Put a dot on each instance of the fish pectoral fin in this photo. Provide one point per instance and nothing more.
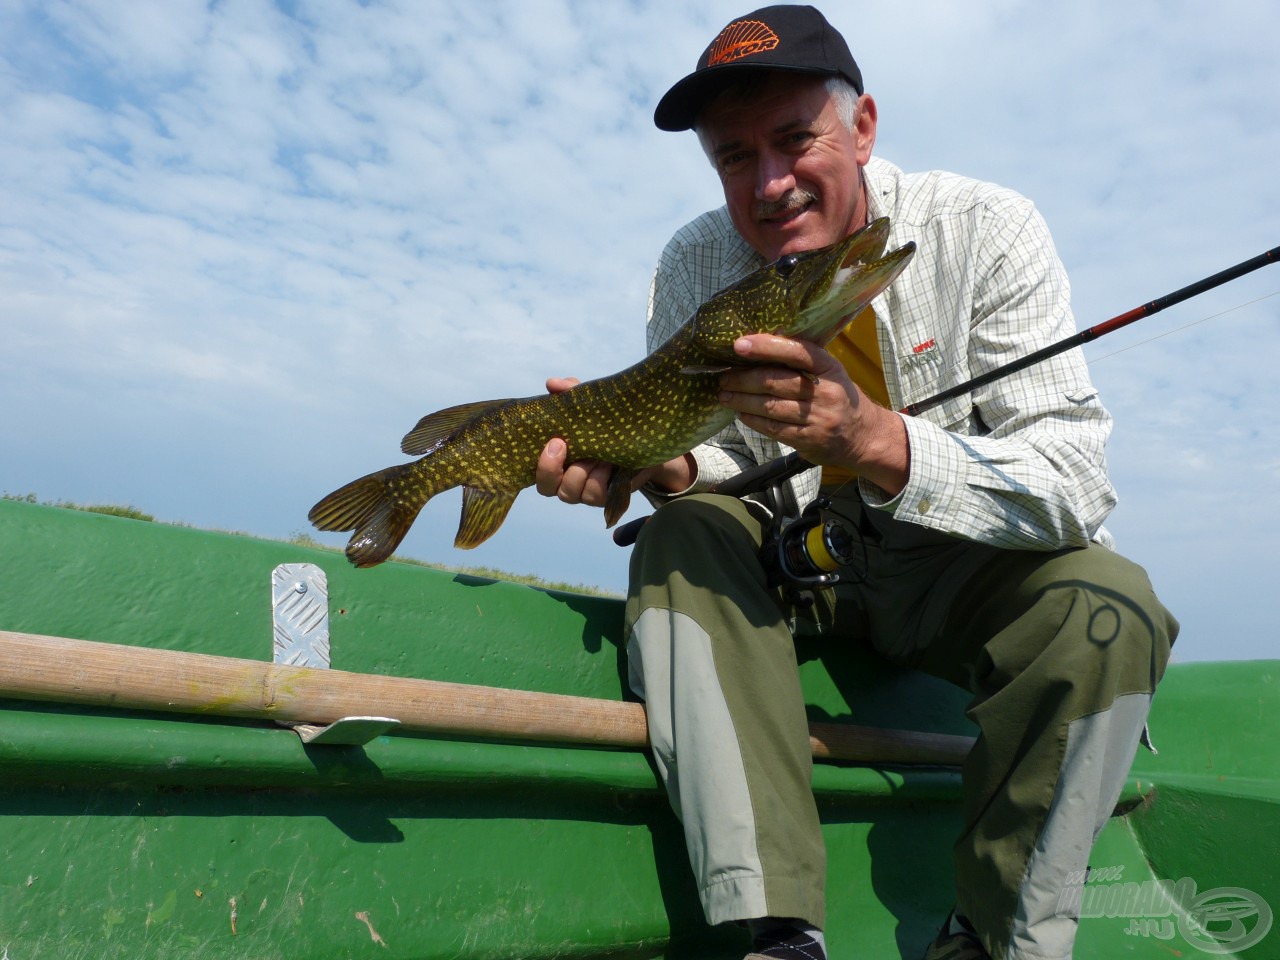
(482, 514)
(700, 369)
(435, 428)
(617, 496)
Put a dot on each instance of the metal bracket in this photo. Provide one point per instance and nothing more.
(300, 616)
(300, 638)
(347, 732)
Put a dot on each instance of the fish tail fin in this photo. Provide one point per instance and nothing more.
(376, 508)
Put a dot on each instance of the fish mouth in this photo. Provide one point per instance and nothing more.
(844, 278)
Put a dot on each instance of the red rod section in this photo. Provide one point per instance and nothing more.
(766, 474)
(1098, 330)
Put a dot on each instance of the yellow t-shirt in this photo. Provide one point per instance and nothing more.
(858, 351)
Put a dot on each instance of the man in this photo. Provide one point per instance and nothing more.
(986, 560)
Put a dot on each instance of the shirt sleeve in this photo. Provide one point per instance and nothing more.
(1021, 463)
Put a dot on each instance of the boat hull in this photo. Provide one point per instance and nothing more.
(138, 834)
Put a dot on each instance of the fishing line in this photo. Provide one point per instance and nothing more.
(1186, 326)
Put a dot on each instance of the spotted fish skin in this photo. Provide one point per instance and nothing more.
(642, 416)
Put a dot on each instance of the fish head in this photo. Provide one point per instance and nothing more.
(810, 295)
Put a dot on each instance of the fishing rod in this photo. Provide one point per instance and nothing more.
(765, 475)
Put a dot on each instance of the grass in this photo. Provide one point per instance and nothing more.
(111, 510)
(304, 539)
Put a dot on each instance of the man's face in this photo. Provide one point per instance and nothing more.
(789, 168)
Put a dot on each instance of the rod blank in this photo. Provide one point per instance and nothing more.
(764, 475)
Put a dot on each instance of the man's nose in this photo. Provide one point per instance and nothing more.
(774, 177)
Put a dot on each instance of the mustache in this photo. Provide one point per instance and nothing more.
(793, 200)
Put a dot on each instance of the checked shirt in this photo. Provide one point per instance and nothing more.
(1018, 463)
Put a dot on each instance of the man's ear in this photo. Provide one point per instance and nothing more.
(864, 129)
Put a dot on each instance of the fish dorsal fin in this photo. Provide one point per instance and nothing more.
(482, 514)
(437, 427)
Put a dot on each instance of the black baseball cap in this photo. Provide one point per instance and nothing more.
(782, 37)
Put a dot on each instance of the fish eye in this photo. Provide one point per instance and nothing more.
(786, 264)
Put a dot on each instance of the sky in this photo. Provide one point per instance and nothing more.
(245, 245)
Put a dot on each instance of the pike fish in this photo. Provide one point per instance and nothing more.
(647, 414)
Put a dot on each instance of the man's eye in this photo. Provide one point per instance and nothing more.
(731, 160)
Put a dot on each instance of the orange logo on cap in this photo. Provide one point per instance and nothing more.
(741, 39)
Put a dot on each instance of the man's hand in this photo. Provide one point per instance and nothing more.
(804, 398)
(586, 481)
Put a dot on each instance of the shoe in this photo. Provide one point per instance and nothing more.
(956, 944)
(786, 943)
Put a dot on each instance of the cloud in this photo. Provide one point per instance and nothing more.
(245, 245)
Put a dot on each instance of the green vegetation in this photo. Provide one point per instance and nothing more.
(304, 539)
(111, 510)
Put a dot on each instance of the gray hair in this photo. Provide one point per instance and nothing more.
(843, 96)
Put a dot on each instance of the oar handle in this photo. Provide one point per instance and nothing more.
(120, 677)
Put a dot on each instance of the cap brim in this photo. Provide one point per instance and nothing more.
(679, 107)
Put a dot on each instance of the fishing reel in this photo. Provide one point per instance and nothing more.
(802, 555)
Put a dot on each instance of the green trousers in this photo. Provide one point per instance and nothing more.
(1060, 650)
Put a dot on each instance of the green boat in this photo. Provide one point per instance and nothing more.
(455, 773)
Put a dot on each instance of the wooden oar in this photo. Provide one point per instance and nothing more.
(83, 672)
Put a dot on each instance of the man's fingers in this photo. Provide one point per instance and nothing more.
(561, 384)
(774, 381)
(770, 407)
(585, 481)
(550, 469)
(769, 348)
(792, 369)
